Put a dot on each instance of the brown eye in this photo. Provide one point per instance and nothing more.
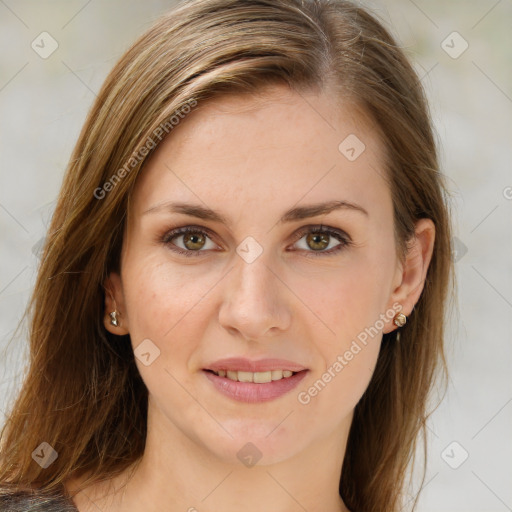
(317, 241)
(314, 240)
(194, 241)
(189, 241)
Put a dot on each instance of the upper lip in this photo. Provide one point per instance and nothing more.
(248, 365)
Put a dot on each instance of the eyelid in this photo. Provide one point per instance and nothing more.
(181, 230)
(320, 228)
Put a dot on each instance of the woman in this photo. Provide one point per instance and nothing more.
(242, 295)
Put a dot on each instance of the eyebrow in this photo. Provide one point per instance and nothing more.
(294, 214)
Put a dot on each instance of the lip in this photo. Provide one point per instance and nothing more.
(247, 365)
(250, 392)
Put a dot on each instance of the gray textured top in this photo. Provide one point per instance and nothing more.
(34, 502)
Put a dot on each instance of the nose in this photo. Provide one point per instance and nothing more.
(255, 301)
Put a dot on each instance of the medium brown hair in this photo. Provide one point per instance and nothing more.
(83, 393)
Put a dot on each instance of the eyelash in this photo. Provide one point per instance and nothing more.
(339, 235)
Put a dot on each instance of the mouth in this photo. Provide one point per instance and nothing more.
(255, 377)
(254, 387)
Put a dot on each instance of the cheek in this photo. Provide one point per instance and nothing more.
(345, 381)
(158, 295)
(161, 304)
(348, 299)
(348, 366)
(169, 306)
(352, 305)
(150, 296)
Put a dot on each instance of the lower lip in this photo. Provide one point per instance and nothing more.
(250, 392)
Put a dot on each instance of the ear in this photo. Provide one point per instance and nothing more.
(114, 301)
(410, 277)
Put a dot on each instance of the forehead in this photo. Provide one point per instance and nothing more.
(280, 146)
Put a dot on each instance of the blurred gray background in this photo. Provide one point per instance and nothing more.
(463, 52)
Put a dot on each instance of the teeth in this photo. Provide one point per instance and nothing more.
(245, 376)
(257, 377)
(262, 377)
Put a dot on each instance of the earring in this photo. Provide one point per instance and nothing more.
(113, 318)
(399, 319)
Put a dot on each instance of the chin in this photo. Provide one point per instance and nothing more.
(254, 442)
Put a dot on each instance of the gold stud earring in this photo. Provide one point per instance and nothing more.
(113, 319)
(400, 320)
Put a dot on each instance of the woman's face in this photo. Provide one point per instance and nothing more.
(253, 178)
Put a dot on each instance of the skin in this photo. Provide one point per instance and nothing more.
(252, 158)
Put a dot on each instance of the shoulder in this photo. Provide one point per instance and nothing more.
(34, 501)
